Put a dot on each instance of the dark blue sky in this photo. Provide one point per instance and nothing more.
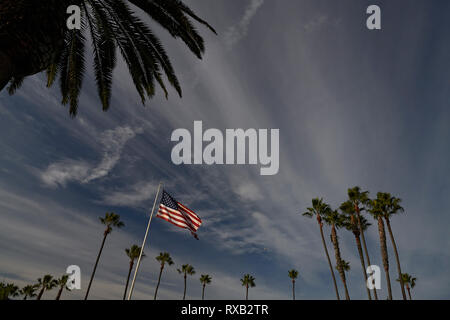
(354, 107)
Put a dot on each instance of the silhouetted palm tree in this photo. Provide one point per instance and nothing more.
(409, 282)
(62, 283)
(391, 206)
(247, 281)
(133, 253)
(45, 284)
(163, 258)
(46, 43)
(336, 220)
(293, 274)
(186, 269)
(351, 224)
(319, 209)
(111, 220)
(204, 280)
(358, 200)
(376, 211)
(345, 265)
(8, 290)
(29, 291)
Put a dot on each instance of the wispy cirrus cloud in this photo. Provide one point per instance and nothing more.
(133, 196)
(67, 170)
(235, 33)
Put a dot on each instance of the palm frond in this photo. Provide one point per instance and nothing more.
(15, 84)
(72, 67)
(101, 29)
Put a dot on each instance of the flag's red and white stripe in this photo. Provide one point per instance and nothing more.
(183, 218)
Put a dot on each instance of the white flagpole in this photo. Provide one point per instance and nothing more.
(143, 243)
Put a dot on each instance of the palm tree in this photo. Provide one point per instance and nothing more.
(247, 281)
(376, 211)
(409, 282)
(336, 221)
(45, 284)
(204, 280)
(186, 269)
(133, 253)
(47, 44)
(345, 265)
(8, 291)
(293, 274)
(319, 209)
(62, 283)
(391, 206)
(111, 220)
(29, 291)
(357, 202)
(351, 224)
(163, 258)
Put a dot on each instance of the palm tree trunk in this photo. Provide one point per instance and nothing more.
(203, 292)
(337, 253)
(184, 294)
(95, 266)
(159, 281)
(363, 264)
(58, 296)
(40, 294)
(358, 215)
(384, 255)
(246, 292)
(128, 279)
(399, 269)
(319, 220)
(293, 289)
(409, 292)
(6, 70)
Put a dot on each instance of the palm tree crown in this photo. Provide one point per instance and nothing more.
(186, 269)
(205, 279)
(111, 24)
(164, 258)
(134, 252)
(29, 291)
(293, 274)
(318, 208)
(111, 220)
(345, 265)
(248, 281)
(46, 283)
(408, 279)
(8, 291)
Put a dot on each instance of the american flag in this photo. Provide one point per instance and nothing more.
(179, 215)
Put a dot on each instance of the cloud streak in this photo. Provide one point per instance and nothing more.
(236, 33)
(69, 170)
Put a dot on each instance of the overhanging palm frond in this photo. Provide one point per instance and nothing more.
(72, 68)
(101, 29)
(112, 24)
(15, 84)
